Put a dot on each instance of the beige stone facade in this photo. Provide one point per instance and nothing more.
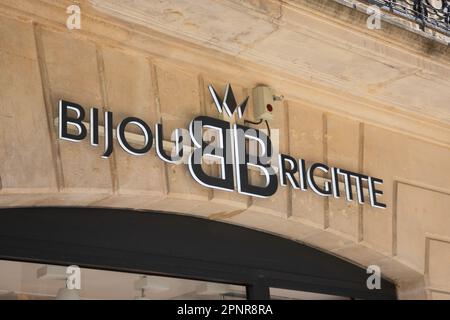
(372, 101)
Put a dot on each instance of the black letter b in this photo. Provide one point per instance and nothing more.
(65, 119)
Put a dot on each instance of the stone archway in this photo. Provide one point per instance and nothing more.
(177, 245)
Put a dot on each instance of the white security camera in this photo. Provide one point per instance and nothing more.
(264, 103)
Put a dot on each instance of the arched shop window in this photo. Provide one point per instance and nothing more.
(165, 255)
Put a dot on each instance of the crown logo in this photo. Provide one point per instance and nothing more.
(228, 103)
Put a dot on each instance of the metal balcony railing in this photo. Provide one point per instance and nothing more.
(432, 14)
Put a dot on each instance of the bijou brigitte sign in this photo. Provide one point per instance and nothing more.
(230, 150)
